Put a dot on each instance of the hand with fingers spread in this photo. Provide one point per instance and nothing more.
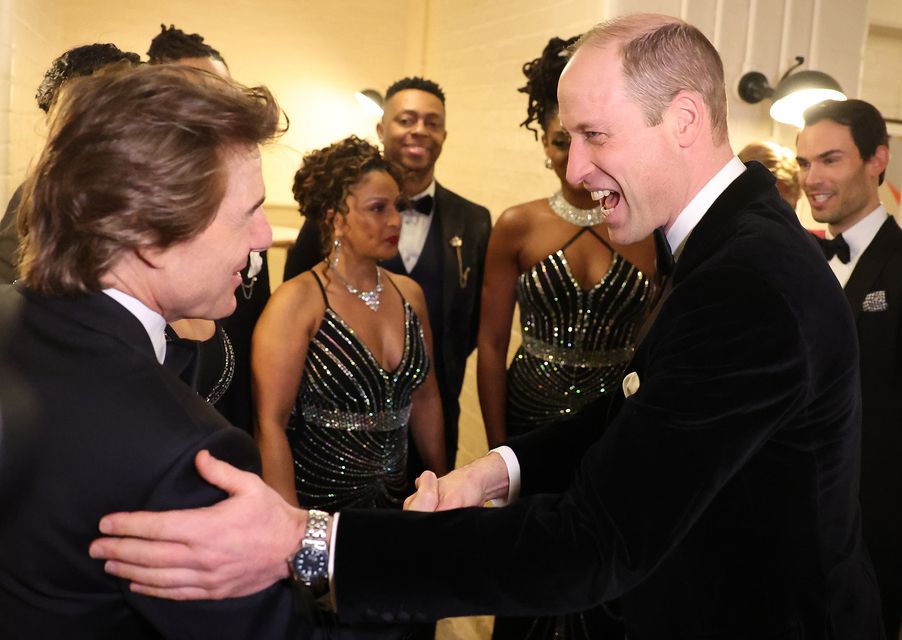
(234, 548)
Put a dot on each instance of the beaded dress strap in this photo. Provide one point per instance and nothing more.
(388, 277)
(322, 289)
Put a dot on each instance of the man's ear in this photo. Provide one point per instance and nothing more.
(876, 164)
(151, 256)
(380, 131)
(687, 113)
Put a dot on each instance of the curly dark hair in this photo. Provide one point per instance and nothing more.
(78, 62)
(171, 45)
(542, 75)
(416, 82)
(327, 175)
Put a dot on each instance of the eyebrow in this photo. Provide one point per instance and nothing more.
(821, 156)
(256, 206)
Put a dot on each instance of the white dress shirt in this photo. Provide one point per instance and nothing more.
(414, 229)
(858, 237)
(678, 232)
(153, 322)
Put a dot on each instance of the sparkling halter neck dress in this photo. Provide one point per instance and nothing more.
(576, 342)
(348, 427)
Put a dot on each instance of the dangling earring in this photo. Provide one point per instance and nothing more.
(336, 244)
(548, 164)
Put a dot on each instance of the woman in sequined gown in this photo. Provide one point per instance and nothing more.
(581, 298)
(340, 355)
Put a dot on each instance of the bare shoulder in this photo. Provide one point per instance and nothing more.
(300, 298)
(409, 288)
(519, 219)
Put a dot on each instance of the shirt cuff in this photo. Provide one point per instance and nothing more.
(332, 559)
(513, 473)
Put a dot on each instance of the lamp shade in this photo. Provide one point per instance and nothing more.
(370, 101)
(800, 90)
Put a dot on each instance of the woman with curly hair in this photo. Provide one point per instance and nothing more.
(341, 353)
(582, 299)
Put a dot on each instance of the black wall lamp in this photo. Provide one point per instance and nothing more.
(794, 93)
(370, 101)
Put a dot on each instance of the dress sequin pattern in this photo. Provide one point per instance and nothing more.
(576, 342)
(348, 428)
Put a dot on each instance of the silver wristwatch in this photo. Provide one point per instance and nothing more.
(309, 565)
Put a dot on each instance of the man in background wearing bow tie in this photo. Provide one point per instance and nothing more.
(442, 246)
(843, 153)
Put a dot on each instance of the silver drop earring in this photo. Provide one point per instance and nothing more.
(336, 244)
(548, 164)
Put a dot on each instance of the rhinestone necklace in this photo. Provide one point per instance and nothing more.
(370, 298)
(574, 215)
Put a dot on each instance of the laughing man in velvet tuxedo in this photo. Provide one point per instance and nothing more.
(843, 153)
(443, 242)
(721, 500)
(141, 210)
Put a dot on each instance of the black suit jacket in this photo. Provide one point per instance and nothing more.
(721, 501)
(458, 218)
(119, 432)
(874, 291)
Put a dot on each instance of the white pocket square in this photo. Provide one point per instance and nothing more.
(875, 301)
(630, 384)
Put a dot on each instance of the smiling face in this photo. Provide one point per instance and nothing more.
(372, 226)
(841, 187)
(197, 278)
(633, 169)
(413, 130)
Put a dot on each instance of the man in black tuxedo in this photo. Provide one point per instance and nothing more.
(141, 210)
(843, 152)
(443, 242)
(172, 45)
(721, 499)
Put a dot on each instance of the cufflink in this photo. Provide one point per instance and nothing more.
(630, 384)
(875, 301)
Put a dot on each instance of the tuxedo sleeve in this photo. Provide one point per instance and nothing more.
(277, 612)
(722, 370)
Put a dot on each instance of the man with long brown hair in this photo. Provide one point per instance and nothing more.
(141, 210)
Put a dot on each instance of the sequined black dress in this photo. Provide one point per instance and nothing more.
(348, 427)
(576, 342)
(576, 346)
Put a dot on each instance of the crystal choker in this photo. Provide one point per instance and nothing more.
(574, 215)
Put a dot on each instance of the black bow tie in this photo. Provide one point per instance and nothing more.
(422, 205)
(663, 253)
(836, 247)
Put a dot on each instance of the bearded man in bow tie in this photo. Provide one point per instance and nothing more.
(843, 153)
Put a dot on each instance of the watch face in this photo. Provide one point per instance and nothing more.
(310, 565)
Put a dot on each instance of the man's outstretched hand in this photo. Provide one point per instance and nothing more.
(234, 548)
(473, 485)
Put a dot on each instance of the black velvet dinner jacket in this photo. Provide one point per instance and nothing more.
(118, 432)
(874, 292)
(720, 502)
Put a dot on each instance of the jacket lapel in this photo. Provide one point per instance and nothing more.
(449, 226)
(871, 263)
(720, 221)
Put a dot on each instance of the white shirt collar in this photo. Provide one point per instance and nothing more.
(153, 322)
(860, 234)
(428, 191)
(699, 205)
